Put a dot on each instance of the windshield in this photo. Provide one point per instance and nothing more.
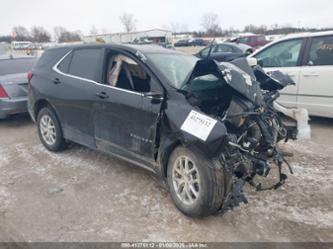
(174, 67)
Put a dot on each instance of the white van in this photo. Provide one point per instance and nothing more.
(308, 59)
(16, 45)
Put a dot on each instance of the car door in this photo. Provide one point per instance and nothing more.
(316, 88)
(125, 118)
(286, 57)
(75, 82)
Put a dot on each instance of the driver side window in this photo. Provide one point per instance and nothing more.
(283, 54)
(125, 73)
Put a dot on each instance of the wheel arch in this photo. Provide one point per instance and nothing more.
(167, 146)
(40, 104)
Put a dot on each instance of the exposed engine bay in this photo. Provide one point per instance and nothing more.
(243, 98)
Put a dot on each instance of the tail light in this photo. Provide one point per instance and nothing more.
(29, 76)
(3, 93)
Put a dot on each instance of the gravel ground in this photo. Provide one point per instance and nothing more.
(84, 195)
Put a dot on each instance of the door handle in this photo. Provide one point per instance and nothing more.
(102, 95)
(56, 81)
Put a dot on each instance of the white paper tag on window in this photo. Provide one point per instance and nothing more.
(198, 125)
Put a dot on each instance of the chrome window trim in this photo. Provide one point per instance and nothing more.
(55, 68)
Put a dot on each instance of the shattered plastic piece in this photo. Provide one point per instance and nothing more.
(55, 190)
(301, 116)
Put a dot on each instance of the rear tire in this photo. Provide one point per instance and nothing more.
(49, 130)
(198, 188)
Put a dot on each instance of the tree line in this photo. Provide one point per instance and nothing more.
(210, 27)
(40, 35)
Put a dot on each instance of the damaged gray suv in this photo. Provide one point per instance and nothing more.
(206, 128)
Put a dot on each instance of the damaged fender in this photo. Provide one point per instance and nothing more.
(187, 126)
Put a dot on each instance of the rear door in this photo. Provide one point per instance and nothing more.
(73, 93)
(125, 115)
(316, 88)
(285, 56)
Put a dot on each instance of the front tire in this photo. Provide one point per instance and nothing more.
(49, 130)
(196, 186)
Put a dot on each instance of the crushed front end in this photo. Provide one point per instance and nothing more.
(244, 99)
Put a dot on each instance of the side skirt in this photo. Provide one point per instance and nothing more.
(126, 155)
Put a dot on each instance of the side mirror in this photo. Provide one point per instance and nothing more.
(252, 61)
(260, 63)
(249, 51)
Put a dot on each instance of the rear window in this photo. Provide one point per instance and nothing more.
(85, 63)
(50, 57)
(244, 39)
(15, 66)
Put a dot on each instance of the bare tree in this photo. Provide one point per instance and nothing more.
(255, 29)
(128, 21)
(20, 33)
(209, 22)
(58, 31)
(39, 34)
(63, 35)
(93, 30)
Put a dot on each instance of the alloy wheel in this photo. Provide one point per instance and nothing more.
(186, 180)
(47, 129)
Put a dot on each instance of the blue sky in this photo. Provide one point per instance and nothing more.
(104, 14)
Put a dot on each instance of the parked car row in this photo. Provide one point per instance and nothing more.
(254, 41)
(225, 51)
(193, 42)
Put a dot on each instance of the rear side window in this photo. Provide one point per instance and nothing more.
(321, 51)
(244, 39)
(85, 63)
(50, 57)
(222, 49)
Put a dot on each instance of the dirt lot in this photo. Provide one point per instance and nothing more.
(84, 195)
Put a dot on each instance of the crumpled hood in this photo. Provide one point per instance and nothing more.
(230, 74)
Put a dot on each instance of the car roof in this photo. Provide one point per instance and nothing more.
(294, 36)
(241, 46)
(144, 49)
